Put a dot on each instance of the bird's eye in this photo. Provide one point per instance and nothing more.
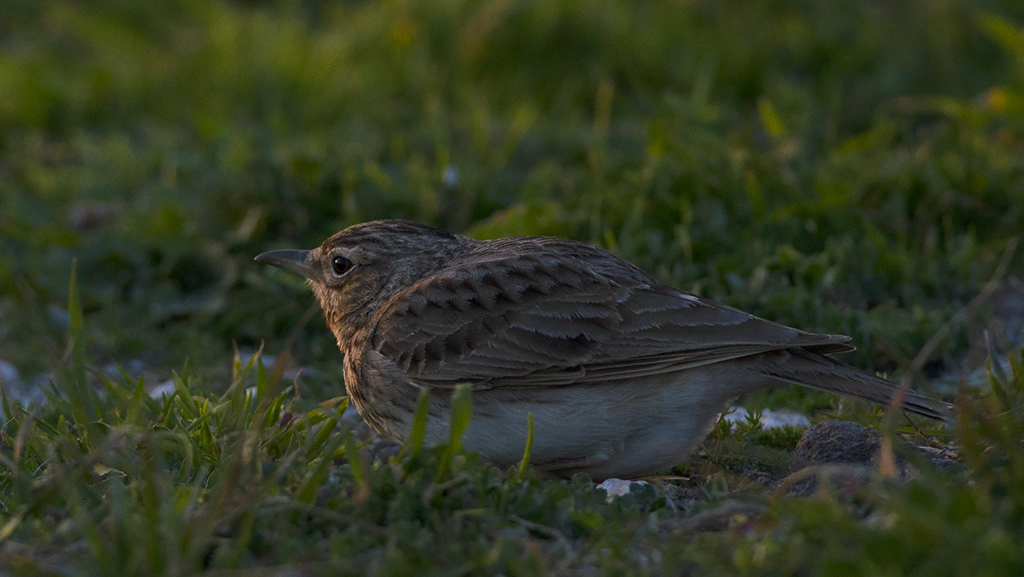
(340, 265)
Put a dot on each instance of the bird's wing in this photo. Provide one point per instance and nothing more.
(539, 319)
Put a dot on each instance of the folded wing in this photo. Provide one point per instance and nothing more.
(541, 319)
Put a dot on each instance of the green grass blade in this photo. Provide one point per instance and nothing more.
(314, 478)
(419, 424)
(529, 444)
(83, 398)
(461, 413)
(355, 462)
(5, 403)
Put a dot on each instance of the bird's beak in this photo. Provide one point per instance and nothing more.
(296, 261)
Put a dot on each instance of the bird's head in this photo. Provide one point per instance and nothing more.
(355, 272)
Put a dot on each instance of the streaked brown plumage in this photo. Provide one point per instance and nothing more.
(624, 375)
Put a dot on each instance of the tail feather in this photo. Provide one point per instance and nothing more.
(822, 373)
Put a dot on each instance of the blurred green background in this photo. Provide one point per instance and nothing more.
(846, 166)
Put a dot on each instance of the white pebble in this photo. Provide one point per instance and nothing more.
(618, 487)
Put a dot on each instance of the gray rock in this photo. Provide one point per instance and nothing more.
(832, 441)
(379, 450)
(838, 451)
(845, 453)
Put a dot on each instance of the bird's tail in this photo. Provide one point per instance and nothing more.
(815, 371)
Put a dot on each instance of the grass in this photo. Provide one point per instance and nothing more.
(848, 167)
(123, 483)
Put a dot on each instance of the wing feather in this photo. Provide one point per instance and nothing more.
(541, 319)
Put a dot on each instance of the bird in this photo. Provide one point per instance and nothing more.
(624, 376)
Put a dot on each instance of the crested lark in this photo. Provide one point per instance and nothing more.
(624, 376)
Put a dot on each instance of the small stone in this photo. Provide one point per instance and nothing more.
(164, 388)
(835, 441)
(619, 487)
(941, 459)
(848, 447)
(380, 450)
